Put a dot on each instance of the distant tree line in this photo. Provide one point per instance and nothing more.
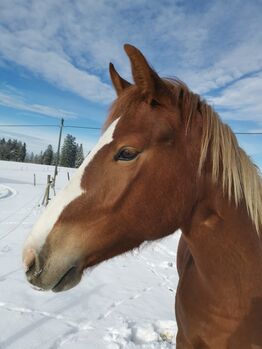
(12, 150)
(72, 154)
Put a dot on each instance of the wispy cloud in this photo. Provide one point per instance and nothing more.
(36, 139)
(7, 133)
(242, 99)
(9, 98)
(55, 68)
(69, 44)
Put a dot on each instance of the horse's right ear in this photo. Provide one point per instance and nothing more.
(118, 82)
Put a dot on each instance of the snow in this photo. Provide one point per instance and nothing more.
(125, 303)
(6, 192)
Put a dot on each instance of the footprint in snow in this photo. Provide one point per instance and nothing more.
(5, 249)
(158, 335)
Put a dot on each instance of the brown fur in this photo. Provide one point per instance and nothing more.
(188, 168)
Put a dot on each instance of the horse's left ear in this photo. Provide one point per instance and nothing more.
(118, 82)
(147, 80)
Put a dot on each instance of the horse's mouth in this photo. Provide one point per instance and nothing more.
(70, 279)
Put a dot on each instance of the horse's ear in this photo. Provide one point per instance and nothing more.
(144, 76)
(118, 82)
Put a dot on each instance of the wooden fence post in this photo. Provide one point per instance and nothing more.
(47, 191)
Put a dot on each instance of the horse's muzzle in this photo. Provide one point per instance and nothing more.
(54, 273)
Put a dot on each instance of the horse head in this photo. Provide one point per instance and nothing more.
(139, 183)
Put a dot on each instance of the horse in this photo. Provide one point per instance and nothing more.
(165, 161)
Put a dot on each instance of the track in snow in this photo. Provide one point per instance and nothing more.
(126, 303)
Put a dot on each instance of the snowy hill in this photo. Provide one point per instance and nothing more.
(127, 302)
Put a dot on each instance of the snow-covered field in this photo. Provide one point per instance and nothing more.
(127, 302)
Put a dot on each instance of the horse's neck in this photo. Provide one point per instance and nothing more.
(224, 244)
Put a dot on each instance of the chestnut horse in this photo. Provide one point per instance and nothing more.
(165, 161)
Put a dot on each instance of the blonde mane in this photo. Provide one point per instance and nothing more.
(241, 179)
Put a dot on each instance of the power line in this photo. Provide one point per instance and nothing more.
(99, 128)
(87, 127)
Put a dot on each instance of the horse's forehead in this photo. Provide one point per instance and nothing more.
(137, 119)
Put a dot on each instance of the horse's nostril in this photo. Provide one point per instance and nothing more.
(29, 259)
(32, 265)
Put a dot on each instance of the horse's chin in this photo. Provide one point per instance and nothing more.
(69, 280)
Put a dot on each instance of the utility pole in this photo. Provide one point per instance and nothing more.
(58, 153)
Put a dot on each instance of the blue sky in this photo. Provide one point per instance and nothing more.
(54, 59)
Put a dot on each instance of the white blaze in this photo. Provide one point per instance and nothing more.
(45, 223)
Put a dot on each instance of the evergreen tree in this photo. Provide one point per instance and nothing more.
(79, 155)
(41, 157)
(29, 157)
(12, 149)
(23, 152)
(54, 159)
(3, 149)
(20, 152)
(38, 158)
(68, 153)
(48, 155)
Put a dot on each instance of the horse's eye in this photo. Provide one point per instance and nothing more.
(126, 154)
